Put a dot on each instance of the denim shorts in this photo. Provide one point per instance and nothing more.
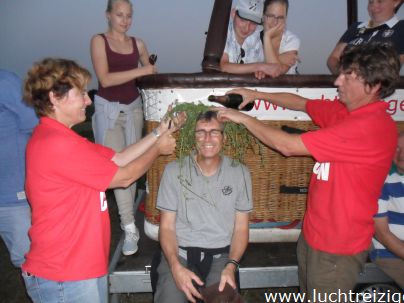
(82, 291)
(15, 222)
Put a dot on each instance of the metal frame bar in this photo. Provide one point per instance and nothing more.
(250, 277)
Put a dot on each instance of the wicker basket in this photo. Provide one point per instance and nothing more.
(279, 183)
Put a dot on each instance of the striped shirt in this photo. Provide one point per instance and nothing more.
(391, 204)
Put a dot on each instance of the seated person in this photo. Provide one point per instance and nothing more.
(243, 52)
(383, 26)
(280, 45)
(388, 243)
(204, 201)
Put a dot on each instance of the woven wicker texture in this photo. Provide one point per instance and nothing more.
(270, 173)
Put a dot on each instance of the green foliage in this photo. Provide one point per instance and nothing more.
(238, 138)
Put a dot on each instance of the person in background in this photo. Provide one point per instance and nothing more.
(204, 201)
(383, 26)
(353, 148)
(66, 179)
(280, 45)
(17, 121)
(243, 52)
(388, 252)
(118, 117)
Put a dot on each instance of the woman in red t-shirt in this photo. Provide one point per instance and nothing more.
(66, 180)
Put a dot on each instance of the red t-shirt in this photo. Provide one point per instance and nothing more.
(65, 183)
(354, 151)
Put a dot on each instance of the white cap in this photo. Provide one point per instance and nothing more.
(250, 10)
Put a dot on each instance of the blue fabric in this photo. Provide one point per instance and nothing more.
(17, 121)
(15, 222)
(396, 218)
(395, 189)
(381, 253)
(83, 291)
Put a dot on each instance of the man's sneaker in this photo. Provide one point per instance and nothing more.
(131, 238)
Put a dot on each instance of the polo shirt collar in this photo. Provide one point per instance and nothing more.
(197, 171)
(390, 23)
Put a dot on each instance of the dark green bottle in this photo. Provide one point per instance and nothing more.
(231, 101)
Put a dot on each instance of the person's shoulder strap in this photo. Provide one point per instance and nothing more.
(103, 36)
(107, 47)
(135, 48)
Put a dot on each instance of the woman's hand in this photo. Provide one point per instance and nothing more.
(172, 121)
(166, 144)
(149, 69)
(276, 31)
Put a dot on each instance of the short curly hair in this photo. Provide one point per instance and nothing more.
(376, 63)
(52, 75)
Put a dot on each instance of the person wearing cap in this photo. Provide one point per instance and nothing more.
(243, 52)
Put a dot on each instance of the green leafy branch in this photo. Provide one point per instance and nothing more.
(238, 138)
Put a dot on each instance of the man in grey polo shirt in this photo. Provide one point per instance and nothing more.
(204, 201)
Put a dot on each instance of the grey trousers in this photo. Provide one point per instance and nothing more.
(322, 274)
(166, 289)
(115, 139)
(394, 268)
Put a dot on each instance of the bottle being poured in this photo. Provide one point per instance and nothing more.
(231, 101)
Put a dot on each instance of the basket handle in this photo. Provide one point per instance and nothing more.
(292, 130)
(283, 189)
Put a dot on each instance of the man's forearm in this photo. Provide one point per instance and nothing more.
(393, 244)
(169, 246)
(287, 100)
(384, 235)
(239, 239)
(287, 144)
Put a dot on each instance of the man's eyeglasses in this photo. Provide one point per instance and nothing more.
(271, 17)
(241, 56)
(201, 133)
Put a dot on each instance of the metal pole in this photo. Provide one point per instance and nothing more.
(352, 11)
(216, 36)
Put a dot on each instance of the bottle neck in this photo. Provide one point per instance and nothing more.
(220, 99)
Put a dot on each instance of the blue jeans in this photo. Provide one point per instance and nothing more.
(15, 222)
(82, 291)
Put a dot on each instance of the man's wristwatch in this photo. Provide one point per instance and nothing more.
(156, 133)
(234, 262)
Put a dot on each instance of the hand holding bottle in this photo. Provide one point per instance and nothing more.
(248, 95)
(231, 100)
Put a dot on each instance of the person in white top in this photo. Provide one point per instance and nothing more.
(243, 53)
(280, 45)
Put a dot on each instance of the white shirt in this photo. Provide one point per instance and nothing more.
(252, 46)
